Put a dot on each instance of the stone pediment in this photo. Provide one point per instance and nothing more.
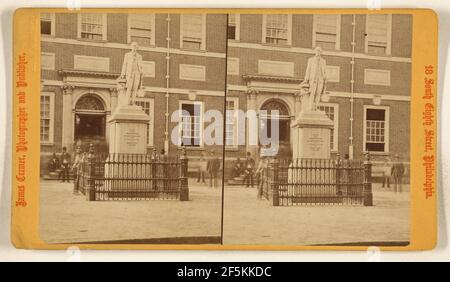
(272, 83)
(84, 78)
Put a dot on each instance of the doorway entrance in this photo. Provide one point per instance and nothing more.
(282, 119)
(90, 120)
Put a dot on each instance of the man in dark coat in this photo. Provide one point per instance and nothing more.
(397, 172)
(64, 160)
(213, 167)
(249, 170)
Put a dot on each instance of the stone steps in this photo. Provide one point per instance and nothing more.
(54, 175)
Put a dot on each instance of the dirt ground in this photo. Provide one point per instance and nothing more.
(68, 218)
(256, 222)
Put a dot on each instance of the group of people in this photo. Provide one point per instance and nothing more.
(209, 165)
(393, 171)
(62, 163)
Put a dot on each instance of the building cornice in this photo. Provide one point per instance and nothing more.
(84, 73)
(299, 50)
(271, 78)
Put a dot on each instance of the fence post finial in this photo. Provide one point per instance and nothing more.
(368, 197)
(274, 182)
(184, 187)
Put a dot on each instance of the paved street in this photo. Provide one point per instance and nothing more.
(256, 222)
(68, 218)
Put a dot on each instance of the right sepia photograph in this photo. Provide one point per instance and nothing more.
(317, 130)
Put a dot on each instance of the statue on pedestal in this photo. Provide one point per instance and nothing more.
(314, 84)
(131, 76)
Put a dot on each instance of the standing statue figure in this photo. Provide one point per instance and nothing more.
(132, 74)
(315, 79)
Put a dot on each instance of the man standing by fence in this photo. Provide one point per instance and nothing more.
(213, 167)
(397, 171)
(76, 169)
(249, 170)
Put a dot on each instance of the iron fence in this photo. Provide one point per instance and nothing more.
(317, 182)
(133, 177)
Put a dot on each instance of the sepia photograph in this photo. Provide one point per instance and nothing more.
(233, 129)
(124, 107)
(326, 161)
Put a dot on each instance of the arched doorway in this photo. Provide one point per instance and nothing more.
(268, 114)
(90, 119)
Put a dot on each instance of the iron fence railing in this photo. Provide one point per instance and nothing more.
(132, 177)
(317, 182)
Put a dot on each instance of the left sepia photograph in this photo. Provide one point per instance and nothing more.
(131, 127)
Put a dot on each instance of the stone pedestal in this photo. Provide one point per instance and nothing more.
(311, 135)
(128, 130)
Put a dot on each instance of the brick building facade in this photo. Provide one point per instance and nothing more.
(368, 67)
(81, 57)
(185, 59)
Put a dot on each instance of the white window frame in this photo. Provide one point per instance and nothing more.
(368, 82)
(238, 27)
(236, 123)
(52, 21)
(289, 31)
(203, 43)
(180, 125)
(386, 127)
(151, 102)
(152, 31)
(104, 27)
(336, 124)
(52, 118)
(338, 32)
(235, 61)
(388, 39)
(76, 57)
(52, 55)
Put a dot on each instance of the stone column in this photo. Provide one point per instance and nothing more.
(67, 124)
(252, 125)
(113, 94)
(294, 129)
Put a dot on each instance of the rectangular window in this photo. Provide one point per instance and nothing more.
(193, 31)
(231, 122)
(191, 124)
(376, 129)
(332, 111)
(326, 31)
(148, 107)
(47, 24)
(92, 26)
(233, 26)
(378, 34)
(46, 123)
(277, 29)
(141, 29)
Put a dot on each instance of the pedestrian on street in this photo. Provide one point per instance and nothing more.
(76, 169)
(201, 168)
(213, 167)
(397, 171)
(249, 170)
(386, 173)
